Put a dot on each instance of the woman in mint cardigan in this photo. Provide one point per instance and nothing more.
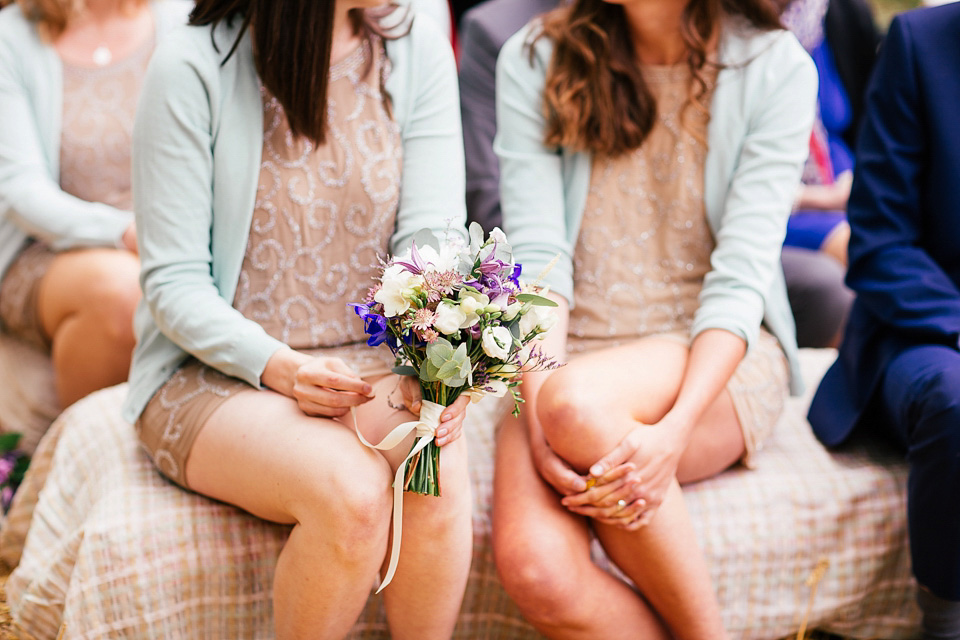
(280, 148)
(69, 78)
(649, 155)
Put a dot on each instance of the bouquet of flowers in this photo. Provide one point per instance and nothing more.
(456, 316)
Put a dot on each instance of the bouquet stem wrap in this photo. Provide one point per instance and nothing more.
(425, 427)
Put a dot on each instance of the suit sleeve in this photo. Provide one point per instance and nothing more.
(893, 275)
(478, 59)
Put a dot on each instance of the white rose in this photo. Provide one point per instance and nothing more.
(537, 319)
(505, 370)
(512, 310)
(496, 342)
(472, 304)
(449, 318)
(496, 388)
(398, 286)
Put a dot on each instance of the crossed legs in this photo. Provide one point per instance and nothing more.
(542, 550)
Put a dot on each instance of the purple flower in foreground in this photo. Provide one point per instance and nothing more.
(374, 324)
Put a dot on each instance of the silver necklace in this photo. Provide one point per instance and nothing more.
(102, 56)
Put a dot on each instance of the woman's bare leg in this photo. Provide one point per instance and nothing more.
(543, 556)
(85, 306)
(260, 452)
(587, 408)
(424, 598)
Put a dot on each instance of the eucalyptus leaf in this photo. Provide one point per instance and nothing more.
(535, 300)
(405, 370)
(426, 237)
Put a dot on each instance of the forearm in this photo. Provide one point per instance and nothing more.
(714, 356)
(554, 344)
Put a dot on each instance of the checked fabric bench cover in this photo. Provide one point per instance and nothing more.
(105, 548)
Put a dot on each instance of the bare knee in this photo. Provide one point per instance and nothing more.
(567, 414)
(537, 577)
(349, 510)
(113, 302)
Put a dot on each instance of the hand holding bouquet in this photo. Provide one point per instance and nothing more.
(458, 318)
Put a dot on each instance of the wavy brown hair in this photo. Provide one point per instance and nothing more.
(292, 41)
(53, 16)
(595, 98)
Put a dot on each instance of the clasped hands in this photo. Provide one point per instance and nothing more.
(626, 486)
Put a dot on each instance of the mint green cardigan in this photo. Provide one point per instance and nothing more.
(197, 147)
(31, 106)
(761, 116)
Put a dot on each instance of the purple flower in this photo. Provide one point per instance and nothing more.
(416, 265)
(374, 324)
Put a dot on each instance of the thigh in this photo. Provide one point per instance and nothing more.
(79, 278)
(640, 378)
(920, 380)
(260, 452)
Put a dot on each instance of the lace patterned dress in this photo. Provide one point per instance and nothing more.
(99, 105)
(644, 250)
(322, 217)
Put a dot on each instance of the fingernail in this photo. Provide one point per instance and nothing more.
(580, 485)
(596, 470)
(441, 433)
(446, 417)
(367, 389)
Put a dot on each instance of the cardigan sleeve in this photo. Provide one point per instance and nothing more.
(532, 192)
(173, 168)
(752, 224)
(29, 194)
(427, 106)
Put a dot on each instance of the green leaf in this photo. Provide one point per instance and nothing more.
(535, 300)
(428, 372)
(405, 370)
(8, 441)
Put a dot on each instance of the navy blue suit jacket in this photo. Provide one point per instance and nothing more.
(904, 215)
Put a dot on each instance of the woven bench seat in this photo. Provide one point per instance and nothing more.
(115, 551)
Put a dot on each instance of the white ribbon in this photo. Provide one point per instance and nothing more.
(426, 429)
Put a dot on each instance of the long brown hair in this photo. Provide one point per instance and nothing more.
(292, 42)
(53, 16)
(595, 98)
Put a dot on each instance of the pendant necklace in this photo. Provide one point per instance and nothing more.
(102, 56)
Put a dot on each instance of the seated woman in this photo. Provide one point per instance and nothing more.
(650, 151)
(842, 39)
(70, 76)
(281, 147)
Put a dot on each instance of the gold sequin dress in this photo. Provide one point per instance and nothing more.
(644, 250)
(322, 217)
(99, 105)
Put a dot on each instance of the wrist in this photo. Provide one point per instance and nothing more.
(281, 370)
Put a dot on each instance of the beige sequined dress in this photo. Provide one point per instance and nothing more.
(99, 105)
(321, 219)
(644, 249)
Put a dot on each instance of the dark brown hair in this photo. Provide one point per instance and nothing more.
(292, 41)
(595, 98)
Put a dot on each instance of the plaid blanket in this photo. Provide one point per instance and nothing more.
(114, 550)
